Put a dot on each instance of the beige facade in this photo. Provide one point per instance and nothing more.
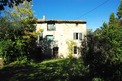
(57, 32)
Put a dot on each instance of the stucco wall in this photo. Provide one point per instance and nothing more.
(63, 33)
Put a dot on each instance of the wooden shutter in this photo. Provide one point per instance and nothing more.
(74, 35)
(80, 36)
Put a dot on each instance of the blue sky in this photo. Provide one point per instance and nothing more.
(95, 12)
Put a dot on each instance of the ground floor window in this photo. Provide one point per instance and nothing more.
(75, 50)
(49, 37)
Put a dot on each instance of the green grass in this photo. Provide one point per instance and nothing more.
(52, 61)
(49, 70)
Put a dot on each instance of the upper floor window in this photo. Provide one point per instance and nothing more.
(77, 36)
(51, 26)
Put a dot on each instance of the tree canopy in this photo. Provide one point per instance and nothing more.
(119, 13)
(17, 34)
(10, 3)
(102, 51)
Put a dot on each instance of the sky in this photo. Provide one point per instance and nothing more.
(94, 12)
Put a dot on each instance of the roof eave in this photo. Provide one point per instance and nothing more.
(61, 21)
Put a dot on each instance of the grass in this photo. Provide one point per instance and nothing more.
(49, 70)
(52, 61)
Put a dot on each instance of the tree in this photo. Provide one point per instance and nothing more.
(102, 51)
(119, 13)
(18, 33)
(70, 44)
(10, 3)
(113, 21)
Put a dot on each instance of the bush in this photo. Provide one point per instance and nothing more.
(97, 79)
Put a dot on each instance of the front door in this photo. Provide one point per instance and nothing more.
(55, 51)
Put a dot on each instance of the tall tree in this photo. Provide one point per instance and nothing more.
(103, 50)
(119, 13)
(113, 21)
(19, 36)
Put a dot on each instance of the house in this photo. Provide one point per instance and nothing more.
(61, 37)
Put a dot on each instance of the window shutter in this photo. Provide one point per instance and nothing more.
(74, 35)
(80, 36)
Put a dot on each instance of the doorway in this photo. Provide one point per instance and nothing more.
(55, 51)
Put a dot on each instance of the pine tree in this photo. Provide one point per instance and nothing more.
(113, 21)
(103, 50)
(119, 13)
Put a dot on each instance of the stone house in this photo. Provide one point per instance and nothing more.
(56, 33)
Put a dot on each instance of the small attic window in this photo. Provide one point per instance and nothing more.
(51, 26)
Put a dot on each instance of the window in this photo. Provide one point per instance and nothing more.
(75, 50)
(51, 26)
(77, 36)
(49, 37)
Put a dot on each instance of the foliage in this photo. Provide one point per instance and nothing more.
(10, 3)
(102, 51)
(18, 33)
(119, 13)
(70, 44)
(110, 36)
(97, 79)
(52, 70)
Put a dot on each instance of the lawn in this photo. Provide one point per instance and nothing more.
(49, 70)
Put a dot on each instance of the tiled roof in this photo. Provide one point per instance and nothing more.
(61, 21)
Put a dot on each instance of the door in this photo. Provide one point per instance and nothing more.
(55, 51)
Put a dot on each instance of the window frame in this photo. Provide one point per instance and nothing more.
(50, 25)
(77, 36)
(48, 39)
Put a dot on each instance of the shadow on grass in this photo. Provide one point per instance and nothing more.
(60, 70)
(18, 73)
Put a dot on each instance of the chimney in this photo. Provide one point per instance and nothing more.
(43, 17)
